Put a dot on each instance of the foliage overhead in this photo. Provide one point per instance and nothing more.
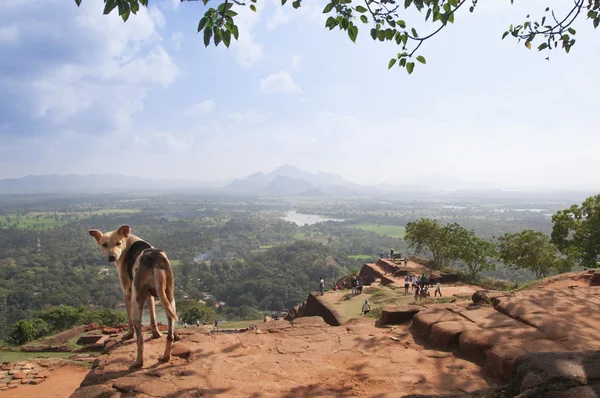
(385, 19)
(531, 250)
(576, 232)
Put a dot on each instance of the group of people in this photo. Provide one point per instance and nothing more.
(357, 285)
(421, 284)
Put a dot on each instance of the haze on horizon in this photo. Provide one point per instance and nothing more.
(84, 93)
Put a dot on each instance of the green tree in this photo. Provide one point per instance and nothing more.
(443, 241)
(531, 250)
(200, 312)
(476, 253)
(25, 331)
(576, 232)
(386, 23)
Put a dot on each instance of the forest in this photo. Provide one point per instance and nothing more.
(240, 253)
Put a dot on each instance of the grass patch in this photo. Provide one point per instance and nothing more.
(393, 231)
(17, 356)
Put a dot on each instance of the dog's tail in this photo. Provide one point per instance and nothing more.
(163, 278)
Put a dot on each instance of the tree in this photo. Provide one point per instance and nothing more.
(531, 250)
(200, 312)
(576, 232)
(476, 253)
(443, 241)
(25, 331)
(386, 23)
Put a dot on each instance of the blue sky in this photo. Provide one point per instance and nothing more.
(85, 93)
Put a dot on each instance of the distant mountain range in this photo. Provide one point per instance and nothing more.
(289, 180)
(286, 180)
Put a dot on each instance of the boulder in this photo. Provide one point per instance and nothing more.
(481, 297)
(392, 315)
(446, 334)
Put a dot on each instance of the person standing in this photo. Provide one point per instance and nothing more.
(406, 284)
(438, 289)
(322, 286)
(216, 326)
(405, 261)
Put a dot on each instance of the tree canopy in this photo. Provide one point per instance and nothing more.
(385, 20)
(531, 250)
(576, 232)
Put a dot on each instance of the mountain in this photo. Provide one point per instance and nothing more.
(290, 180)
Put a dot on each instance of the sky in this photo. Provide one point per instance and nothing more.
(83, 93)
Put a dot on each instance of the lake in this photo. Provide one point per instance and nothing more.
(301, 219)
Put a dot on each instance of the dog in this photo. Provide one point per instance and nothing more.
(145, 273)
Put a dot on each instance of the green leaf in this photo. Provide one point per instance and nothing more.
(135, 7)
(226, 38)
(217, 35)
(361, 9)
(207, 36)
(421, 59)
(352, 33)
(230, 13)
(392, 63)
(202, 23)
(407, 3)
(328, 8)
(410, 67)
(528, 44)
(542, 46)
(78, 2)
(428, 14)
(234, 31)
(451, 18)
(296, 4)
(253, 7)
(374, 33)
(109, 6)
(505, 34)
(283, 2)
(364, 19)
(572, 31)
(414, 32)
(401, 23)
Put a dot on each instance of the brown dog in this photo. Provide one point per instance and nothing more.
(145, 273)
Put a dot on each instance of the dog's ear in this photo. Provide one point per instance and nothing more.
(96, 234)
(124, 230)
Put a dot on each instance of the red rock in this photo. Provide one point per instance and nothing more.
(446, 334)
(19, 376)
(6, 366)
(501, 357)
(391, 315)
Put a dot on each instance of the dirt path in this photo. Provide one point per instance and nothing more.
(61, 383)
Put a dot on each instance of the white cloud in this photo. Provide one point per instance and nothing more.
(248, 50)
(278, 18)
(113, 67)
(174, 143)
(173, 4)
(206, 106)
(296, 59)
(280, 82)
(176, 38)
(249, 116)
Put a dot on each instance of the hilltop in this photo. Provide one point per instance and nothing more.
(465, 347)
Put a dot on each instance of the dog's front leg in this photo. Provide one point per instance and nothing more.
(127, 299)
(153, 324)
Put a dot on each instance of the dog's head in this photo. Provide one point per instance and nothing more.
(111, 243)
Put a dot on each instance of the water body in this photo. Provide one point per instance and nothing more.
(302, 219)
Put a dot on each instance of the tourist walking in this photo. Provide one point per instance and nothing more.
(406, 284)
(366, 308)
(438, 289)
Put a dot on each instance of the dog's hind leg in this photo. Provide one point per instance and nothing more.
(137, 308)
(153, 324)
(170, 336)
